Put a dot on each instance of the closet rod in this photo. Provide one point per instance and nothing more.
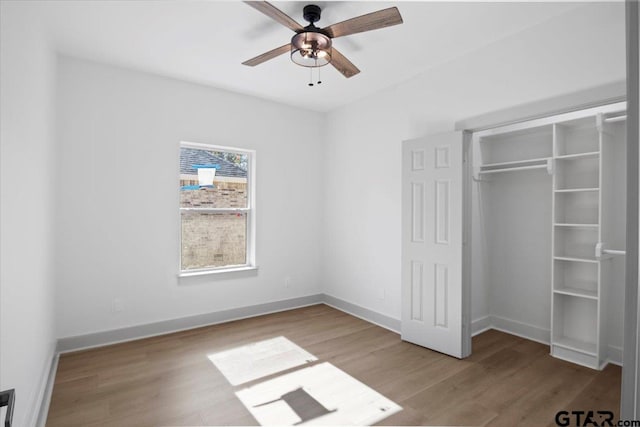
(519, 168)
(613, 252)
(601, 249)
(615, 119)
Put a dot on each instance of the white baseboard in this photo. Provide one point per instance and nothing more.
(530, 332)
(510, 326)
(43, 397)
(614, 355)
(480, 325)
(114, 336)
(99, 339)
(369, 315)
(521, 329)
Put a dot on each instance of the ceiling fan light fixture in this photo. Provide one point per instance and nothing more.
(311, 49)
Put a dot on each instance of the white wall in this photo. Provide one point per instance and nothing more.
(26, 168)
(517, 210)
(361, 257)
(117, 205)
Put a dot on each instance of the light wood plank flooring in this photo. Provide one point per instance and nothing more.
(168, 380)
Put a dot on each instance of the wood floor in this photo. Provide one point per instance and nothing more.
(169, 380)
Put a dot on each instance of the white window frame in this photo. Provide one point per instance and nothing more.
(250, 211)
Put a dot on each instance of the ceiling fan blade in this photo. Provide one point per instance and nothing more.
(276, 14)
(371, 21)
(342, 64)
(268, 55)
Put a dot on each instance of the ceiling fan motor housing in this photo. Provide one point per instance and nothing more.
(311, 13)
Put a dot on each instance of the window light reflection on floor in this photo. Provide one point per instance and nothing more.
(260, 359)
(318, 394)
(321, 394)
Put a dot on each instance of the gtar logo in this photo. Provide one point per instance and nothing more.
(584, 418)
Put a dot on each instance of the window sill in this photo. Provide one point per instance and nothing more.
(221, 272)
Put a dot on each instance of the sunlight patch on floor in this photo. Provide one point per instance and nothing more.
(260, 359)
(320, 394)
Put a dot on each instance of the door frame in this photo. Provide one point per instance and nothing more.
(630, 397)
(467, 220)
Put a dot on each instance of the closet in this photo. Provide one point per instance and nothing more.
(551, 198)
(543, 219)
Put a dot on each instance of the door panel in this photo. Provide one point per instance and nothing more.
(432, 233)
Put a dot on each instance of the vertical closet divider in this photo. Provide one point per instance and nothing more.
(556, 136)
(602, 353)
(576, 291)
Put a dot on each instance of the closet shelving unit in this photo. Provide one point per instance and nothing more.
(573, 148)
(576, 287)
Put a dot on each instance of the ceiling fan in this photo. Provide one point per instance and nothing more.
(312, 46)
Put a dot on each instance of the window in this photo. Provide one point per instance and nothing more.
(216, 208)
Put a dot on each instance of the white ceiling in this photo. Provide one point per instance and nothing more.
(206, 41)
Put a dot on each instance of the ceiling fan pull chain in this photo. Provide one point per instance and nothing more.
(310, 76)
(319, 81)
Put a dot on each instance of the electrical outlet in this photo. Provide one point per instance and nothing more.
(287, 282)
(117, 305)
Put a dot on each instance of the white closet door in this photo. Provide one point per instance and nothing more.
(432, 231)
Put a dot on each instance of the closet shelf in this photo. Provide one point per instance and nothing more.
(576, 225)
(615, 119)
(578, 155)
(576, 259)
(576, 292)
(576, 190)
(512, 169)
(589, 348)
(516, 163)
